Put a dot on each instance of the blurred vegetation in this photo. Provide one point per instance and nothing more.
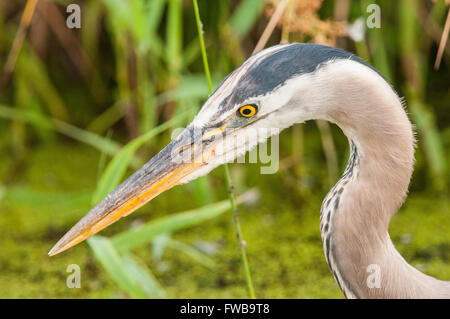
(80, 109)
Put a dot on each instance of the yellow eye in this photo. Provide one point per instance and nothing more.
(247, 110)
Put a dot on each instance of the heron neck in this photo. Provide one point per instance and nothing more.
(356, 213)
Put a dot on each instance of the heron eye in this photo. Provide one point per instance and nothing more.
(248, 110)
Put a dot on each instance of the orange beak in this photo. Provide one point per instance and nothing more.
(183, 156)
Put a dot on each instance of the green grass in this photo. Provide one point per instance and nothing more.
(71, 131)
(284, 246)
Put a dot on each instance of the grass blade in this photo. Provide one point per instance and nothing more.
(245, 16)
(110, 259)
(136, 237)
(99, 142)
(191, 252)
(143, 277)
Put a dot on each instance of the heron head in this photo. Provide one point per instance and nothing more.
(250, 105)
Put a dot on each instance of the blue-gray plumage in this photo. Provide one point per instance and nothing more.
(274, 70)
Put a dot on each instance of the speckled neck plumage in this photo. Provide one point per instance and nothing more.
(329, 207)
(355, 214)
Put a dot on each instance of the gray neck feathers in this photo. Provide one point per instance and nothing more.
(355, 214)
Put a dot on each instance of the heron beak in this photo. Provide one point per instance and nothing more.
(186, 154)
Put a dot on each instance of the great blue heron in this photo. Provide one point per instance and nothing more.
(276, 88)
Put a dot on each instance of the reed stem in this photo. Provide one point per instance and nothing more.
(236, 223)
